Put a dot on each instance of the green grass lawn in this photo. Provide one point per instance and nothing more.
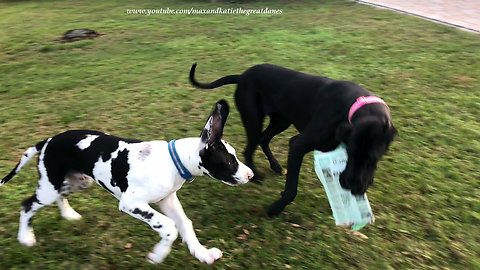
(133, 82)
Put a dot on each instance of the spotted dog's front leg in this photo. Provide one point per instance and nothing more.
(160, 223)
(172, 208)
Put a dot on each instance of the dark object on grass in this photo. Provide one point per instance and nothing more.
(79, 34)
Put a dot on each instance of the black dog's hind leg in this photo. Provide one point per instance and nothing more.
(277, 125)
(252, 118)
(299, 146)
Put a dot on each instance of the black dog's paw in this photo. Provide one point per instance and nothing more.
(277, 168)
(257, 179)
(273, 210)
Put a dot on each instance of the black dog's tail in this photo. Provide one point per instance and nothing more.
(230, 79)
(29, 154)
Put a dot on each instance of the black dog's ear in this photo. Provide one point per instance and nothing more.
(390, 130)
(344, 132)
(213, 129)
(393, 131)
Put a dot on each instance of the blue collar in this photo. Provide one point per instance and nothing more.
(184, 173)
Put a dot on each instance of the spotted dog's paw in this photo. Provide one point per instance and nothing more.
(71, 215)
(27, 238)
(158, 254)
(207, 256)
(154, 258)
(215, 253)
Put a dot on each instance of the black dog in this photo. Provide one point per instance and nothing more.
(326, 112)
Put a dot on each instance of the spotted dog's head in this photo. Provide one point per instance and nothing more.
(218, 157)
(367, 141)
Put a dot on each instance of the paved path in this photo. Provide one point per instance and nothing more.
(463, 14)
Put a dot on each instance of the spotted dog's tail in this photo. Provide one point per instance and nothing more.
(29, 154)
(230, 79)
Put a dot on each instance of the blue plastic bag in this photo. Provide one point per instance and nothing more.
(348, 209)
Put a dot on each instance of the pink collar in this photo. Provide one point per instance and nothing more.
(361, 101)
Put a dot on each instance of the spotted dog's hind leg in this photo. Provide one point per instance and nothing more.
(26, 236)
(158, 222)
(44, 195)
(73, 182)
(66, 210)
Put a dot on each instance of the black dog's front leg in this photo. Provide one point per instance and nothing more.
(298, 148)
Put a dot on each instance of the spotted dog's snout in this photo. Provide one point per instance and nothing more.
(244, 174)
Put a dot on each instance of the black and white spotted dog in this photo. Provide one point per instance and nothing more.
(136, 173)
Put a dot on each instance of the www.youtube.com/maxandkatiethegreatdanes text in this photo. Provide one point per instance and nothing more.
(196, 11)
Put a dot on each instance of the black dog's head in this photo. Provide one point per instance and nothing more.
(367, 141)
(218, 157)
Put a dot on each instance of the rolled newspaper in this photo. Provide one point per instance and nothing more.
(348, 209)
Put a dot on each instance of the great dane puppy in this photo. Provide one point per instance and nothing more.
(326, 112)
(137, 173)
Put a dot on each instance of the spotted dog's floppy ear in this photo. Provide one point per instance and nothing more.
(213, 130)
